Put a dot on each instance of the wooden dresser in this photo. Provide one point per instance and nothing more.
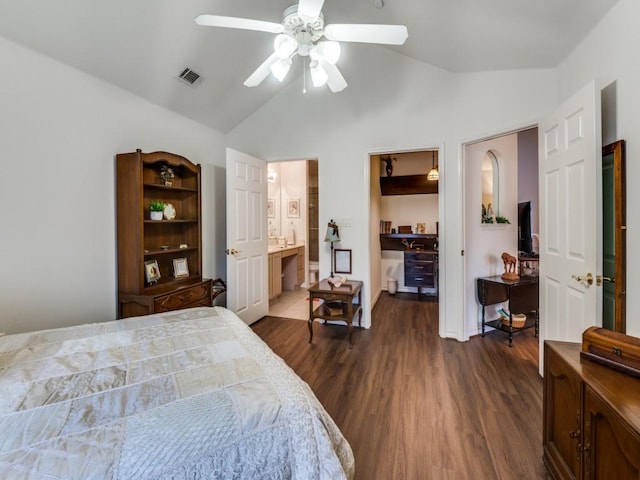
(170, 248)
(421, 270)
(591, 414)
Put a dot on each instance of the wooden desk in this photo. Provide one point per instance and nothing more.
(521, 294)
(343, 296)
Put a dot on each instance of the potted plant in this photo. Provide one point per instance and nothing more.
(166, 172)
(155, 209)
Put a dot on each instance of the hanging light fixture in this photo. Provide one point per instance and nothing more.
(433, 175)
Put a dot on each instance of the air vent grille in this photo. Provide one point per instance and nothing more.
(190, 77)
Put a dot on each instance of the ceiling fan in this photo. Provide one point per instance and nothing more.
(301, 33)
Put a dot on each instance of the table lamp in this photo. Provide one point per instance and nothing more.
(332, 236)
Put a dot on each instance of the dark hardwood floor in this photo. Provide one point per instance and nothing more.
(416, 406)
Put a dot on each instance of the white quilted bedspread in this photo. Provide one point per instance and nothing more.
(187, 394)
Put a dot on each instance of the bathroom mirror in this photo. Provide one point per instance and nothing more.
(490, 188)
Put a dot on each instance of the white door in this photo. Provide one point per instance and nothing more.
(570, 152)
(247, 287)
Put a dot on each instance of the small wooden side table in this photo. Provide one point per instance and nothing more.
(339, 304)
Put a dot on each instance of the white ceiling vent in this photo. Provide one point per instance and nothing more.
(190, 77)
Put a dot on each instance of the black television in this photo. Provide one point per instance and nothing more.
(525, 228)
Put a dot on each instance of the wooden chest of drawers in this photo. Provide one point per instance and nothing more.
(421, 270)
(194, 295)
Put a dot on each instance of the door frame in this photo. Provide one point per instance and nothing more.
(372, 297)
(617, 149)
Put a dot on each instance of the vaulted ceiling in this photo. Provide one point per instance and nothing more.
(142, 45)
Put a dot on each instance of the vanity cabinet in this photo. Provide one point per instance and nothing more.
(591, 427)
(275, 275)
(286, 270)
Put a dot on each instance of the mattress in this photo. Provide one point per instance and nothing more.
(185, 394)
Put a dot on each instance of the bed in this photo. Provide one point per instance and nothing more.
(184, 394)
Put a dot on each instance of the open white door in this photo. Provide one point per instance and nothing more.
(247, 287)
(570, 152)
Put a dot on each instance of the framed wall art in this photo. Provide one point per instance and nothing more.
(293, 207)
(271, 208)
(180, 268)
(342, 260)
(151, 271)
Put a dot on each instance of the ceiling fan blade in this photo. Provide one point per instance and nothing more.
(262, 71)
(335, 80)
(366, 33)
(310, 8)
(242, 23)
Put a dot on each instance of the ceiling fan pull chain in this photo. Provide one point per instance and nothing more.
(304, 75)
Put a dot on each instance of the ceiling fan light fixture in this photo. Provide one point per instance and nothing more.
(284, 45)
(281, 68)
(330, 51)
(318, 76)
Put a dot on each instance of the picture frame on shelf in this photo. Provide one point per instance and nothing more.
(180, 268)
(342, 260)
(293, 208)
(151, 271)
(271, 208)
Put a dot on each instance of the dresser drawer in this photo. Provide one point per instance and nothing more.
(197, 295)
(419, 268)
(419, 280)
(419, 257)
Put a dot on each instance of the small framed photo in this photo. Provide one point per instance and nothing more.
(151, 271)
(421, 227)
(271, 208)
(180, 268)
(342, 260)
(293, 207)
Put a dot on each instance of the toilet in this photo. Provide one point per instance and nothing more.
(313, 272)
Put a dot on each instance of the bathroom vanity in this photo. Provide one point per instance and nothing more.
(286, 268)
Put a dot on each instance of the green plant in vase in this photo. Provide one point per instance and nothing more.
(155, 209)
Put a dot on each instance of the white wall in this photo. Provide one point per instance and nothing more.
(60, 132)
(609, 54)
(293, 185)
(406, 105)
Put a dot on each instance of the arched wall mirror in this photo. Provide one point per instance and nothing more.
(490, 188)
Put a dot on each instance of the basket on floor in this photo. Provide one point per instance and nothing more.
(517, 320)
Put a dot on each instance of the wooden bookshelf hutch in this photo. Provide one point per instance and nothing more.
(157, 243)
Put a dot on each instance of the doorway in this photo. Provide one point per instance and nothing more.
(404, 213)
(292, 223)
(501, 170)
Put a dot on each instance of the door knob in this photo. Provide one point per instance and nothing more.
(600, 279)
(232, 251)
(588, 278)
